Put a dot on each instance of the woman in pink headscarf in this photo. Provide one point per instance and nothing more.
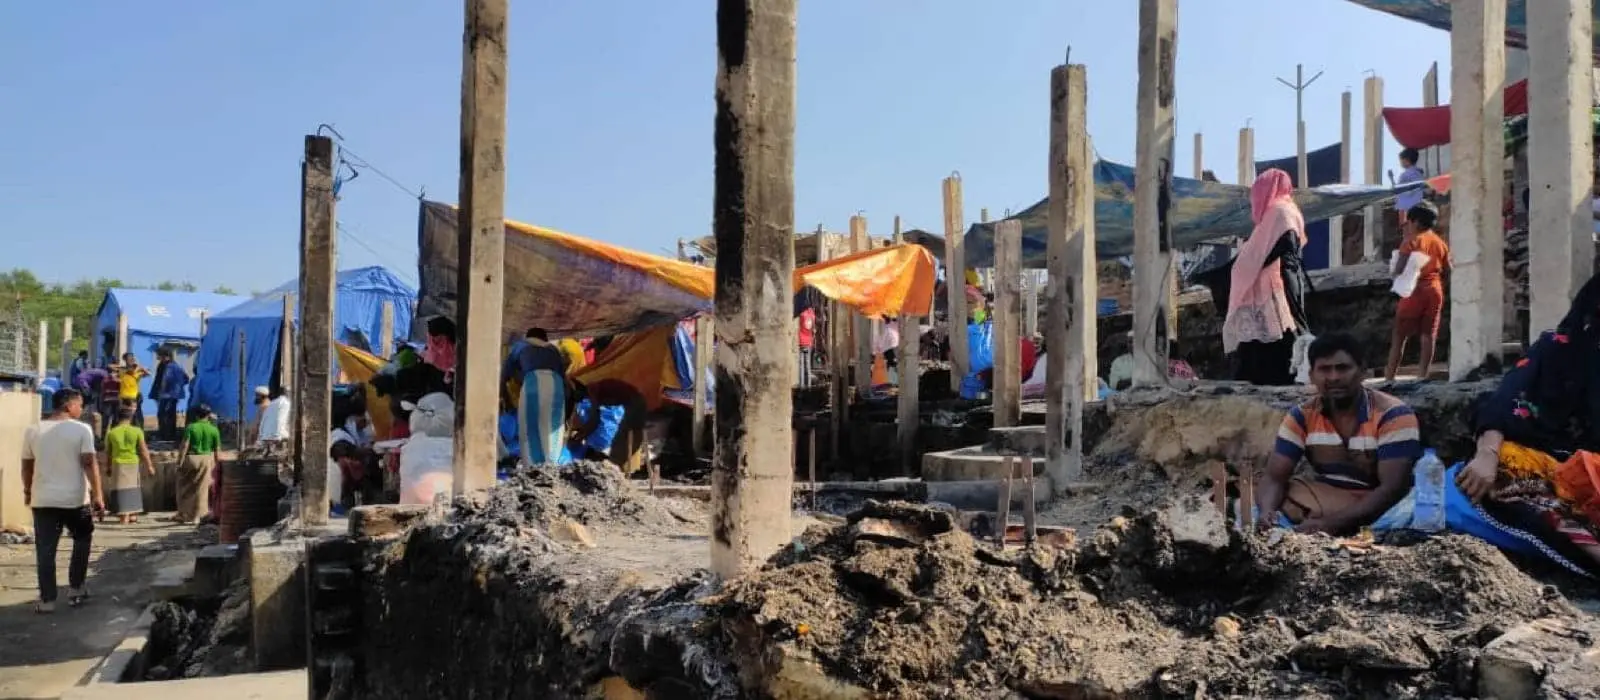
(1266, 297)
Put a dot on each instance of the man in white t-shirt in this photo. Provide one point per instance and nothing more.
(61, 481)
(275, 417)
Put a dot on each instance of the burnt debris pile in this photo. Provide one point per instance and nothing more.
(902, 603)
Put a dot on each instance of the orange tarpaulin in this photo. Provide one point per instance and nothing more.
(573, 286)
(882, 282)
(642, 360)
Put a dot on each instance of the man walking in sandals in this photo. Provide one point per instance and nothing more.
(60, 482)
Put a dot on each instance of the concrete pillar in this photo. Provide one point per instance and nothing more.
(1477, 106)
(1372, 153)
(1199, 157)
(907, 417)
(122, 337)
(1430, 98)
(41, 361)
(1336, 224)
(955, 275)
(1007, 314)
(753, 218)
(385, 346)
(1152, 253)
(704, 342)
(838, 344)
(1030, 303)
(480, 285)
(1070, 362)
(1247, 156)
(864, 326)
(244, 419)
(1560, 157)
(66, 350)
(286, 346)
(287, 350)
(316, 325)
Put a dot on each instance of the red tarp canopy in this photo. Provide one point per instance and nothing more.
(1425, 127)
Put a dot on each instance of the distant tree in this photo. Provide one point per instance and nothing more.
(55, 301)
(224, 289)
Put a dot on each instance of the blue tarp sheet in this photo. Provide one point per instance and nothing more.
(1436, 14)
(359, 295)
(1201, 211)
(683, 365)
(1322, 168)
(155, 318)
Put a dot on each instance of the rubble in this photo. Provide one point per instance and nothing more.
(1166, 602)
(200, 638)
(899, 601)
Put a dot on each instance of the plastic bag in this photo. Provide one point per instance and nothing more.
(980, 358)
(1300, 362)
(1406, 283)
(425, 468)
(433, 415)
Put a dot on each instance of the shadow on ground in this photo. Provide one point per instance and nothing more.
(40, 655)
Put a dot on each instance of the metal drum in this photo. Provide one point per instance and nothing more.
(250, 493)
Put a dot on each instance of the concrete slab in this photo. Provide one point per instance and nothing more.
(281, 685)
(115, 666)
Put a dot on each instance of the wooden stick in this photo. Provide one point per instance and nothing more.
(1030, 524)
(1003, 511)
(1247, 498)
(811, 457)
(1219, 487)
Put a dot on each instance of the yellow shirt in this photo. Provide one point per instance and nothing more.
(573, 350)
(128, 382)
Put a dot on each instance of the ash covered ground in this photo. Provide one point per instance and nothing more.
(1166, 604)
(562, 580)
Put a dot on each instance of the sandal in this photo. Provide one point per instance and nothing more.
(76, 597)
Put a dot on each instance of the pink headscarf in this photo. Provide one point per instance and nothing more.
(1258, 309)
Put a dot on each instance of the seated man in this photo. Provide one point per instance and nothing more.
(1360, 443)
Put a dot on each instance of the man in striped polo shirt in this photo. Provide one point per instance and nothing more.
(1360, 445)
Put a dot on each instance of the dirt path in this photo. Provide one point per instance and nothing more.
(41, 656)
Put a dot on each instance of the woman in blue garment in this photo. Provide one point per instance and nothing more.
(542, 411)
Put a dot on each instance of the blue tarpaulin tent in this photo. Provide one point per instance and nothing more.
(1200, 212)
(1436, 14)
(155, 318)
(357, 320)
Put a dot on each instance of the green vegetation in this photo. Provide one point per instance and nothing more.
(54, 301)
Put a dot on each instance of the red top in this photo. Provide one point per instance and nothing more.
(808, 326)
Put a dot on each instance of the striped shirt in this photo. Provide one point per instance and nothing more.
(1386, 428)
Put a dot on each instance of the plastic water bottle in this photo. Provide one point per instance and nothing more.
(1428, 515)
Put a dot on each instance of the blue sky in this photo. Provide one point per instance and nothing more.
(161, 140)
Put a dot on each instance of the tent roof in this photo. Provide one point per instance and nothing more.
(373, 280)
(170, 314)
(1436, 14)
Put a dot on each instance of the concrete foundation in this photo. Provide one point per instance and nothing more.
(276, 569)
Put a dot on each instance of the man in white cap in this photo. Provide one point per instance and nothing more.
(275, 418)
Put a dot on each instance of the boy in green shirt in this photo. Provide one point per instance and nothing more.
(201, 440)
